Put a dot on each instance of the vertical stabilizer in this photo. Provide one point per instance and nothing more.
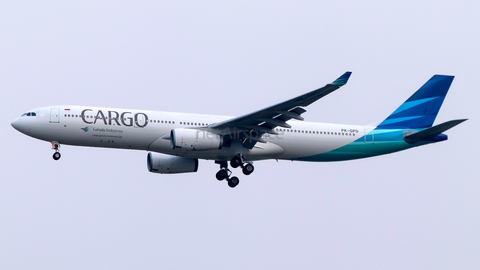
(421, 109)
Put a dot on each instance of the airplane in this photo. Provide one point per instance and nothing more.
(176, 141)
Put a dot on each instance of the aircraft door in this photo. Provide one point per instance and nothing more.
(369, 137)
(55, 116)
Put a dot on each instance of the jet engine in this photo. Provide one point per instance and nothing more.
(194, 140)
(161, 163)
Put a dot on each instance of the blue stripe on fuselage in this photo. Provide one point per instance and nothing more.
(385, 141)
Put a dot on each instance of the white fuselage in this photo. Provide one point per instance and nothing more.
(149, 130)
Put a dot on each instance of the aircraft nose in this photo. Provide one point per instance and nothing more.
(17, 125)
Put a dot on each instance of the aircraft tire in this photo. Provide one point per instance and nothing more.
(57, 155)
(235, 162)
(248, 169)
(233, 182)
(221, 175)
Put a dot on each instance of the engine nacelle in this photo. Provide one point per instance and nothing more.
(194, 140)
(161, 163)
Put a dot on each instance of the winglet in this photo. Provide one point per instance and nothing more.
(342, 80)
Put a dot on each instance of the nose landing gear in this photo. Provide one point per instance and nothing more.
(56, 146)
(57, 155)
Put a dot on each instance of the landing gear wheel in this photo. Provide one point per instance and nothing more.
(235, 162)
(233, 182)
(56, 156)
(247, 169)
(221, 175)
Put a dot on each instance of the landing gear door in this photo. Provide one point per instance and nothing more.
(55, 116)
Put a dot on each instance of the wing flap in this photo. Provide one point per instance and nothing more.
(290, 115)
(275, 122)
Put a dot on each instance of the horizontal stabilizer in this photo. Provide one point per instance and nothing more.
(430, 133)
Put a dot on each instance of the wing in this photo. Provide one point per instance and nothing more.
(249, 128)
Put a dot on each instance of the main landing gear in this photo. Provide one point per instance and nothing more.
(225, 173)
(56, 146)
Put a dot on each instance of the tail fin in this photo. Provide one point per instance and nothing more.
(420, 110)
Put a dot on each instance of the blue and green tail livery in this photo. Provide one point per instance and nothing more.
(410, 125)
(421, 109)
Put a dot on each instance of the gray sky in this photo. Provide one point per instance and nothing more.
(102, 209)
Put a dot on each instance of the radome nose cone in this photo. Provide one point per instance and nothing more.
(15, 124)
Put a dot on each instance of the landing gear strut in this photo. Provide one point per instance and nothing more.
(56, 146)
(225, 173)
(247, 168)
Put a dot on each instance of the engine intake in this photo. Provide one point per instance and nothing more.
(161, 163)
(194, 140)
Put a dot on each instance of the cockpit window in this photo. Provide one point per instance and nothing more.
(24, 114)
(29, 114)
(34, 114)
